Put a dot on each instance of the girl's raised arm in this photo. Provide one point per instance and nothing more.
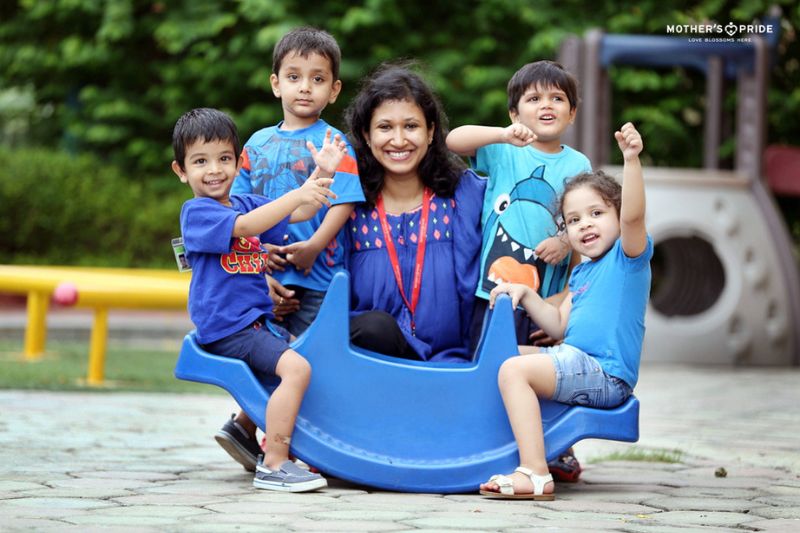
(631, 218)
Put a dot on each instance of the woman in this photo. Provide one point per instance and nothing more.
(413, 245)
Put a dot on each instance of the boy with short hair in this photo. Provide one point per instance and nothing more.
(527, 166)
(277, 159)
(228, 295)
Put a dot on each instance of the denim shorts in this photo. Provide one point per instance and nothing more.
(310, 302)
(581, 381)
(260, 345)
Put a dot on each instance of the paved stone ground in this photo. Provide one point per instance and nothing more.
(148, 462)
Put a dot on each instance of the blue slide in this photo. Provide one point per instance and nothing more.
(404, 425)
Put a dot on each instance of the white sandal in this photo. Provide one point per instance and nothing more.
(506, 485)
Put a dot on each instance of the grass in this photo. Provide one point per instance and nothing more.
(656, 455)
(64, 366)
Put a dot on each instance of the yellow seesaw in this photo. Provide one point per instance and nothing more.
(96, 288)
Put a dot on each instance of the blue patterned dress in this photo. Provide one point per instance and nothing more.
(449, 276)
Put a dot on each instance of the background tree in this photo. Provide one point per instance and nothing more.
(108, 78)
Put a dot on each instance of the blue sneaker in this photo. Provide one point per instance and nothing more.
(288, 478)
(239, 444)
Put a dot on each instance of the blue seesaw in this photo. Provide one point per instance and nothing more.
(404, 425)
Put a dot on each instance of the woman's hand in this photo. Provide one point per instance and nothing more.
(283, 301)
(540, 338)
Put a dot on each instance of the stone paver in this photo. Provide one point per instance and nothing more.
(148, 462)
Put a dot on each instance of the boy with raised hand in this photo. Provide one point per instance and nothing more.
(527, 165)
(228, 295)
(278, 159)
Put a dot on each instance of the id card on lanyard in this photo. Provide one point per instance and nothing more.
(420, 259)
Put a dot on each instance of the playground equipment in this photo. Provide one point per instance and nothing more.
(725, 283)
(404, 425)
(97, 288)
(782, 170)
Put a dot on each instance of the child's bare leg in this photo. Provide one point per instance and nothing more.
(522, 381)
(283, 406)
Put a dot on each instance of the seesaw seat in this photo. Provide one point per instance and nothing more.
(400, 425)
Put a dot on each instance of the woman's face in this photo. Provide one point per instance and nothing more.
(398, 137)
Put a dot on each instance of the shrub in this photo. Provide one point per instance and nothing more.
(67, 210)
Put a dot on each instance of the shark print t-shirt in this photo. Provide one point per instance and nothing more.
(520, 211)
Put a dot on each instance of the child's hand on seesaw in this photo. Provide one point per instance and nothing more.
(629, 141)
(516, 291)
(518, 135)
(330, 155)
(316, 191)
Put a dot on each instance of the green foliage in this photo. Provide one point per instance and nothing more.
(117, 74)
(60, 209)
(110, 77)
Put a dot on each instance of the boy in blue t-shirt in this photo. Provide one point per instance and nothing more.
(277, 159)
(228, 294)
(527, 166)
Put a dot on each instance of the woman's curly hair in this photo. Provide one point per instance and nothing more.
(440, 169)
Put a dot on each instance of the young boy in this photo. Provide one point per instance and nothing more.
(527, 166)
(279, 159)
(228, 295)
(305, 76)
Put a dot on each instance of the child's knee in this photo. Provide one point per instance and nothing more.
(509, 372)
(293, 367)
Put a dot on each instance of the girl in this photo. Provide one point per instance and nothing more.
(601, 320)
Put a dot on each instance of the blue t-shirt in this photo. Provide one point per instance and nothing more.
(609, 298)
(276, 162)
(228, 289)
(447, 294)
(519, 212)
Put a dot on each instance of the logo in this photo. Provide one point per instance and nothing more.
(715, 33)
(246, 257)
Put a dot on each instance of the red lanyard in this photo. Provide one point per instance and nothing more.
(420, 259)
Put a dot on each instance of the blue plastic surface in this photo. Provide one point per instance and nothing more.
(400, 425)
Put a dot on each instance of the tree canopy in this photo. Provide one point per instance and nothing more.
(110, 77)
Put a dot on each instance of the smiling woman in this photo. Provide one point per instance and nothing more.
(412, 248)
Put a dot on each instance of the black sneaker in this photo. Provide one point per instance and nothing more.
(239, 444)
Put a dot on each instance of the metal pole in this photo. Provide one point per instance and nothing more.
(97, 346)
